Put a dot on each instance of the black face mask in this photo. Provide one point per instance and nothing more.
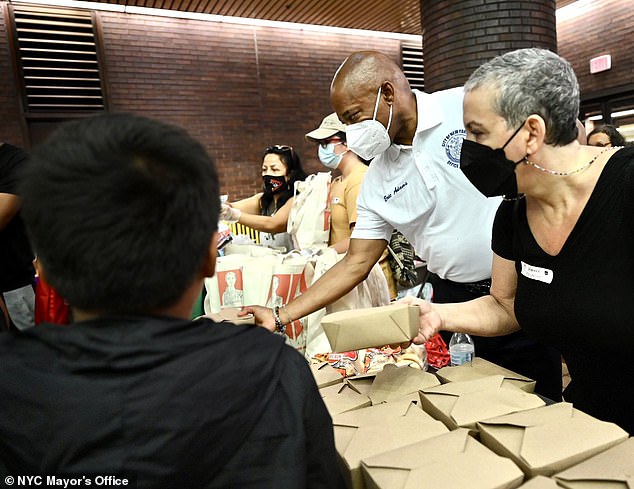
(274, 184)
(488, 169)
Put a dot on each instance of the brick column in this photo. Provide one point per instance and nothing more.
(458, 36)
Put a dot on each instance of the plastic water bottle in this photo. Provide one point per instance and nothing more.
(461, 349)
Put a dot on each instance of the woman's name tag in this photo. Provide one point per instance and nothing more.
(537, 273)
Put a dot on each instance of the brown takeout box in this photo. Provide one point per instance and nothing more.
(230, 314)
(325, 375)
(394, 382)
(479, 368)
(452, 460)
(343, 397)
(369, 431)
(464, 403)
(549, 439)
(372, 327)
(612, 469)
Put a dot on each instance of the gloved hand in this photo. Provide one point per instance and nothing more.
(229, 214)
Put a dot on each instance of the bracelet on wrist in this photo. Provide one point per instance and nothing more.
(280, 327)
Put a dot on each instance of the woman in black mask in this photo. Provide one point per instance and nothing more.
(563, 239)
(268, 211)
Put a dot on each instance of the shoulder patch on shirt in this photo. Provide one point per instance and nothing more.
(453, 144)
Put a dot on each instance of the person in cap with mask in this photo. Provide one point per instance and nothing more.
(334, 153)
(414, 184)
(268, 211)
(563, 239)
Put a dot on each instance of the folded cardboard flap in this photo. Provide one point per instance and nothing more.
(343, 397)
(450, 460)
(549, 439)
(394, 382)
(325, 375)
(613, 469)
(541, 482)
(371, 327)
(465, 403)
(479, 368)
(361, 383)
(374, 415)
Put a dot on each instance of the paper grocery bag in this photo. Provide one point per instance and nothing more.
(371, 327)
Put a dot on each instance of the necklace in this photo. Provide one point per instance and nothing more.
(571, 172)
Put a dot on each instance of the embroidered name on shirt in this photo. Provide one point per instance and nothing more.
(537, 273)
(397, 189)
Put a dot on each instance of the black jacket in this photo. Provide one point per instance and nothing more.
(166, 402)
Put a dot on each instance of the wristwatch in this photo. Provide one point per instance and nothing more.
(280, 327)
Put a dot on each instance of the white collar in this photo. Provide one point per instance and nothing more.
(428, 112)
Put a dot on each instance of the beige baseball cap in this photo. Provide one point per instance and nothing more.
(330, 126)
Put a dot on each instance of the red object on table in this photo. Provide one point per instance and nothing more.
(437, 352)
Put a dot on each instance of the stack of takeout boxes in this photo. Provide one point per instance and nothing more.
(482, 428)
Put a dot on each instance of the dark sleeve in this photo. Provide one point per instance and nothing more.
(12, 163)
(502, 243)
(322, 466)
(629, 193)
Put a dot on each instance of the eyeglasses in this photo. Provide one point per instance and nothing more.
(278, 147)
(324, 144)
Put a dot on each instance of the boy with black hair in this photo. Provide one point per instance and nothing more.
(122, 212)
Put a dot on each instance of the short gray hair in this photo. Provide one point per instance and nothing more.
(532, 81)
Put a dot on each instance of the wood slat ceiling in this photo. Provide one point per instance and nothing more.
(402, 16)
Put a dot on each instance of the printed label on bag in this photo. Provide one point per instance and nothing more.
(537, 273)
(230, 288)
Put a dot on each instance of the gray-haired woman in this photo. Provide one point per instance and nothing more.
(563, 239)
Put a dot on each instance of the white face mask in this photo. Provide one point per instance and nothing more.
(328, 157)
(369, 138)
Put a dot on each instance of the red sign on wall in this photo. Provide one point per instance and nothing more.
(600, 63)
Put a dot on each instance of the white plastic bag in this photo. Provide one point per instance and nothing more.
(240, 280)
(264, 280)
(288, 281)
(309, 217)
